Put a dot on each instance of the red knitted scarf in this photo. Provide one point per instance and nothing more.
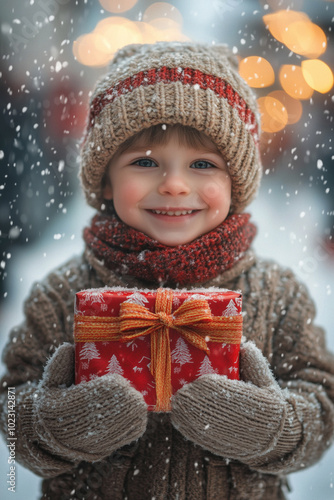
(130, 252)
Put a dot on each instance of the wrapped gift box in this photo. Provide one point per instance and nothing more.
(158, 339)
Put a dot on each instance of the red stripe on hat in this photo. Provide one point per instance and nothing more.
(187, 76)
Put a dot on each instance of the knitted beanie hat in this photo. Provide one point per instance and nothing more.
(171, 83)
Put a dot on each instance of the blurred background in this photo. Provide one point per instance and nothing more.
(53, 51)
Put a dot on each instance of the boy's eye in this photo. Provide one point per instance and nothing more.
(145, 162)
(202, 164)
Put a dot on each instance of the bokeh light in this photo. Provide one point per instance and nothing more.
(293, 106)
(318, 75)
(163, 10)
(87, 50)
(293, 82)
(118, 32)
(161, 22)
(278, 22)
(274, 116)
(305, 38)
(149, 33)
(257, 72)
(118, 6)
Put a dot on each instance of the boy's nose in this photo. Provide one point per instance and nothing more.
(173, 184)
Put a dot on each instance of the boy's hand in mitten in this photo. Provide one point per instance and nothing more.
(238, 419)
(87, 421)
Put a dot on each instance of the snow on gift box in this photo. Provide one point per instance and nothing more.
(158, 339)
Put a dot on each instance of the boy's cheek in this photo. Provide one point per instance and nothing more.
(129, 192)
(213, 192)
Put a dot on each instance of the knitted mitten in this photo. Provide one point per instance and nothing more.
(87, 421)
(238, 419)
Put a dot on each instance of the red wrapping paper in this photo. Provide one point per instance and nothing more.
(96, 355)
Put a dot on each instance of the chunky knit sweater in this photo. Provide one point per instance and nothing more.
(162, 464)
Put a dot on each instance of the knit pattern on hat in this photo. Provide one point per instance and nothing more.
(128, 251)
(168, 83)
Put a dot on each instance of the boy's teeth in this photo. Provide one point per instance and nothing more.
(170, 212)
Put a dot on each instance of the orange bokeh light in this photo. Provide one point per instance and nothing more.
(293, 106)
(279, 22)
(257, 72)
(293, 82)
(274, 116)
(149, 33)
(305, 38)
(118, 6)
(318, 75)
(118, 32)
(161, 22)
(87, 50)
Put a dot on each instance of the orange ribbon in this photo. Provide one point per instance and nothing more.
(193, 320)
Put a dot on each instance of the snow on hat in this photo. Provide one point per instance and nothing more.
(196, 85)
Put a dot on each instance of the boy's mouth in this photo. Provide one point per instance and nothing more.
(173, 213)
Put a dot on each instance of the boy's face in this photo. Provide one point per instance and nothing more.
(172, 193)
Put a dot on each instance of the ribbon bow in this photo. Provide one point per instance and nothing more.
(190, 320)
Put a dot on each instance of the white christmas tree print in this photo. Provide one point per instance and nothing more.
(114, 366)
(231, 309)
(89, 351)
(137, 298)
(206, 367)
(181, 352)
(94, 296)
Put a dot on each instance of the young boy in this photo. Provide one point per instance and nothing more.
(170, 161)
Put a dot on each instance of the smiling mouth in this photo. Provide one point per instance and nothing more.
(173, 213)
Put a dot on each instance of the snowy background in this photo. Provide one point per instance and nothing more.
(42, 211)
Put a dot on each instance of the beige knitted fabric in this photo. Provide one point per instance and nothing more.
(167, 83)
(112, 413)
(162, 463)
